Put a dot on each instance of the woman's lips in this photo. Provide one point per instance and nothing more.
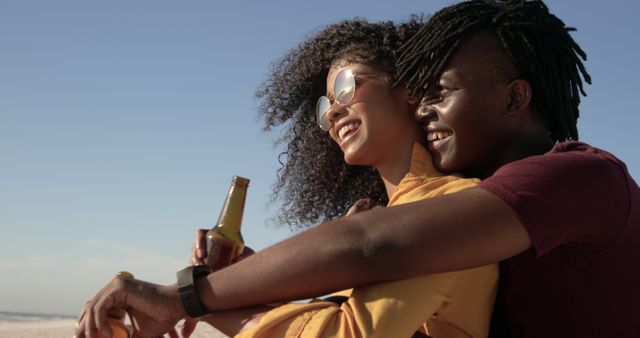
(347, 130)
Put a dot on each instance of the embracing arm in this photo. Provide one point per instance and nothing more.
(467, 229)
(452, 232)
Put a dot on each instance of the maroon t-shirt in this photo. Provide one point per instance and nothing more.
(582, 276)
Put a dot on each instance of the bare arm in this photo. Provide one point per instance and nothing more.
(231, 322)
(461, 230)
(456, 231)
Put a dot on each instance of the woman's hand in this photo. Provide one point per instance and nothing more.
(154, 309)
(199, 248)
(198, 254)
(361, 205)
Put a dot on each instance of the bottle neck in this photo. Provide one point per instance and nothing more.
(231, 214)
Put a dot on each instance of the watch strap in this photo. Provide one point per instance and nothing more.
(187, 290)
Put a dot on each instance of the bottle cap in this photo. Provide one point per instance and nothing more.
(240, 180)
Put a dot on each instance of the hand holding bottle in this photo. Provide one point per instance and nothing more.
(223, 244)
(224, 240)
(199, 249)
(198, 255)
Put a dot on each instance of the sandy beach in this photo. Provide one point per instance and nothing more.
(64, 329)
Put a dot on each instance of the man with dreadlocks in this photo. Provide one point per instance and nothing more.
(502, 83)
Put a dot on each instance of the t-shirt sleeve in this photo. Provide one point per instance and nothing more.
(576, 196)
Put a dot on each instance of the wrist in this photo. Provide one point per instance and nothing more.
(187, 293)
(175, 305)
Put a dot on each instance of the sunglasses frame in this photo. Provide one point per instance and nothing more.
(323, 122)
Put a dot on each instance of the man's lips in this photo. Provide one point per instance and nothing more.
(435, 135)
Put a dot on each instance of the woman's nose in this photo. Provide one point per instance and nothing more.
(336, 112)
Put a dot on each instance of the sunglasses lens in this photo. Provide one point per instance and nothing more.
(322, 107)
(344, 87)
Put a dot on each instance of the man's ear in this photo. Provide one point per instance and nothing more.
(412, 100)
(519, 96)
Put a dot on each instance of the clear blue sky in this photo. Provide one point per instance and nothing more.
(122, 122)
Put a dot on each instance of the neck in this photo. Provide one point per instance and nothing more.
(393, 170)
(523, 147)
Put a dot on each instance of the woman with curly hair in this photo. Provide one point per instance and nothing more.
(361, 139)
(315, 184)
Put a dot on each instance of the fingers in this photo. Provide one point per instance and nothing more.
(93, 317)
(101, 306)
(81, 324)
(80, 320)
(361, 205)
(246, 252)
(143, 301)
(199, 249)
(188, 327)
(173, 333)
(194, 256)
(85, 326)
(100, 315)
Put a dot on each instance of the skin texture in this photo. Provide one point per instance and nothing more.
(456, 231)
(229, 322)
(386, 128)
(480, 134)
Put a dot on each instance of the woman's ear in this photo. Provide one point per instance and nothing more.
(520, 94)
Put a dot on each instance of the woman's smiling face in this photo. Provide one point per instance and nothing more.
(376, 120)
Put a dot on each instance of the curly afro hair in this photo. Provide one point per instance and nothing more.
(314, 183)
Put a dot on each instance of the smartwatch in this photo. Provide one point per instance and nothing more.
(187, 290)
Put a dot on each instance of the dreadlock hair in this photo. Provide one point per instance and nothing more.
(314, 184)
(535, 41)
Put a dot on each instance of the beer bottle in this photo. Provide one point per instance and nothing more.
(224, 241)
(116, 317)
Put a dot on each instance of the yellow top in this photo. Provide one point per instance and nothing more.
(452, 304)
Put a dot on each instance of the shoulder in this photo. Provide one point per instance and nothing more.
(567, 156)
(567, 164)
(573, 193)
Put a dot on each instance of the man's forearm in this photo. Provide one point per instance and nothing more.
(452, 232)
(283, 272)
(231, 322)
